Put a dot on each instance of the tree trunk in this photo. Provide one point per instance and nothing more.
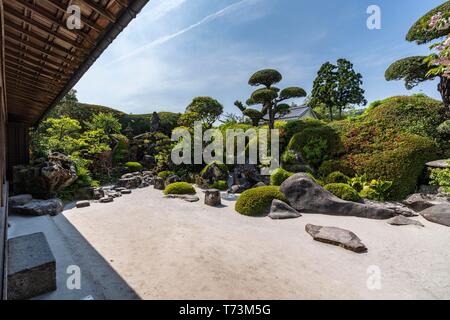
(444, 89)
(271, 119)
(330, 108)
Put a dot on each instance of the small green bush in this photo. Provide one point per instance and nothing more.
(331, 166)
(444, 129)
(221, 185)
(165, 174)
(368, 193)
(134, 166)
(257, 201)
(279, 176)
(343, 191)
(337, 177)
(441, 178)
(179, 188)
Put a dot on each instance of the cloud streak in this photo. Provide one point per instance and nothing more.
(169, 37)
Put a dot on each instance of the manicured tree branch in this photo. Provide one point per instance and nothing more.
(412, 70)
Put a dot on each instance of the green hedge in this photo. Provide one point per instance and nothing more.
(343, 191)
(134, 166)
(279, 176)
(257, 201)
(337, 177)
(331, 166)
(179, 188)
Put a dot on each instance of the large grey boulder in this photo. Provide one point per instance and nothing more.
(45, 177)
(19, 200)
(306, 196)
(419, 202)
(336, 236)
(132, 182)
(212, 198)
(403, 221)
(439, 214)
(280, 210)
(35, 207)
(214, 172)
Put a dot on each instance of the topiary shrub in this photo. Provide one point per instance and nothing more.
(220, 185)
(444, 129)
(279, 176)
(179, 188)
(257, 201)
(331, 166)
(316, 144)
(402, 164)
(134, 166)
(165, 174)
(337, 177)
(343, 191)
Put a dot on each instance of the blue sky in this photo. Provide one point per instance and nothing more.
(178, 49)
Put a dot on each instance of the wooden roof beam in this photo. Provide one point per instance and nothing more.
(100, 10)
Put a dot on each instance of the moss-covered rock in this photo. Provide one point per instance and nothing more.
(165, 174)
(134, 166)
(179, 188)
(257, 201)
(279, 176)
(221, 185)
(343, 191)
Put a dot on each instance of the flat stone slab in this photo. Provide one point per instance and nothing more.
(442, 164)
(106, 199)
(35, 207)
(83, 204)
(31, 267)
(281, 210)
(126, 191)
(439, 214)
(19, 200)
(336, 236)
(419, 202)
(403, 221)
(187, 198)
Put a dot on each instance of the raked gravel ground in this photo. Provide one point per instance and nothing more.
(171, 249)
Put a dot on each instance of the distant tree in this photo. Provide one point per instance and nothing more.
(65, 106)
(417, 69)
(269, 97)
(337, 86)
(105, 121)
(205, 109)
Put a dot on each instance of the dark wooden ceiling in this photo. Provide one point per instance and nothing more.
(44, 58)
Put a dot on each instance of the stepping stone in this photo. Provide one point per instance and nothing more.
(31, 267)
(403, 221)
(106, 199)
(83, 204)
(281, 210)
(126, 191)
(212, 198)
(336, 236)
(187, 198)
(439, 214)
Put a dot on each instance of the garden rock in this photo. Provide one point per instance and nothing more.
(85, 193)
(187, 198)
(212, 198)
(172, 179)
(83, 204)
(439, 214)
(419, 202)
(403, 221)
(19, 200)
(106, 199)
(159, 183)
(214, 173)
(439, 164)
(244, 174)
(98, 193)
(126, 191)
(240, 188)
(336, 236)
(130, 183)
(45, 178)
(260, 184)
(306, 196)
(281, 210)
(35, 207)
(397, 207)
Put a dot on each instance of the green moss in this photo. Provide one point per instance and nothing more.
(220, 185)
(337, 177)
(279, 176)
(343, 191)
(165, 174)
(134, 166)
(179, 188)
(257, 201)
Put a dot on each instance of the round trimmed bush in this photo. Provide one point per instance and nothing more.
(134, 166)
(331, 166)
(279, 176)
(337, 177)
(179, 188)
(343, 191)
(257, 201)
(221, 185)
(165, 174)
